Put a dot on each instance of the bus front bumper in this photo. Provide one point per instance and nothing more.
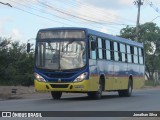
(63, 87)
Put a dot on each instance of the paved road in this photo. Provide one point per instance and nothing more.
(142, 100)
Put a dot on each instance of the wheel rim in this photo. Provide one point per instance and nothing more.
(100, 90)
(130, 89)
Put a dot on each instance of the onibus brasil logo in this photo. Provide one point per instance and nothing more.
(21, 114)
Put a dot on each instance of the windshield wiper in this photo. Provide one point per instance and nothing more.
(68, 44)
(51, 47)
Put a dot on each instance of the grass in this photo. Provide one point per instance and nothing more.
(151, 83)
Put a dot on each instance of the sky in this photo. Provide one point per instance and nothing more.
(22, 21)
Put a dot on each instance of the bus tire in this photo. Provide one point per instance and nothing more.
(56, 95)
(128, 91)
(96, 94)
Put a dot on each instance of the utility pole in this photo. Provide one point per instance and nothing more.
(138, 3)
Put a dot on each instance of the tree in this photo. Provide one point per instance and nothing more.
(149, 35)
(16, 66)
(4, 43)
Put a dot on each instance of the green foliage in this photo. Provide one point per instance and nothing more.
(149, 35)
(151, 83)
(16, 66)
(128, 32)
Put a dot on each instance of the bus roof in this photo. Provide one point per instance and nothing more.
(99, 34)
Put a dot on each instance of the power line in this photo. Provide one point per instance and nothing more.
(76, 21)
(94, 13)
(79, 17)
(75, 16)
(91, 13)
(6, 4)
(153, 6)
(65, 13)
(67, 19)
(72, 4)
(38, 10)
(47, 13)
(155, 18)
(96, 9)
(40, 16)
(48, 18)
(37, 14)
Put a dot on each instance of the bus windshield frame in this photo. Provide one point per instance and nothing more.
(64, 51)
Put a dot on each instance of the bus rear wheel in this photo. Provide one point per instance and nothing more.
(96, 94)
(127, 92)
(56, 95)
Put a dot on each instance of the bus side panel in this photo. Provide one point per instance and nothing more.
(120, 76)
(133, 69)
(140, 79)
(137, 73)
(116, 74)
(108, 66)
(94, 77)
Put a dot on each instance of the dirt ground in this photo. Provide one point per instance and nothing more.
(16, 92)
(21, 92)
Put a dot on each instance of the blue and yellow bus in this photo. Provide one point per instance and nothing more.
(82, 60)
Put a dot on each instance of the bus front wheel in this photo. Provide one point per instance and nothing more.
(56, 95)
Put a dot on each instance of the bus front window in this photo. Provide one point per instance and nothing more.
(62, 55)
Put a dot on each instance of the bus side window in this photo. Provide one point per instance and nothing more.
(112, 50)
(108, 48)
(135, 56)
(129, 60)
(100, 51)
(92, 54)
(116, 56)
(123, 52)
(141, 56)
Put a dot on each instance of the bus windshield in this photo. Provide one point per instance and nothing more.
(61, 55)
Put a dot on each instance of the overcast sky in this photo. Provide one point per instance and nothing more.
(26, 17)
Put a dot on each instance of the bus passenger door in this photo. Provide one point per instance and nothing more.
(93, 75)
(93, 78)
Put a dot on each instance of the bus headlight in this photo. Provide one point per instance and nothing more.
(39, 78)
(81, 77)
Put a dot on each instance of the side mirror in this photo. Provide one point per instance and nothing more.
(93, 45)
(28, 47)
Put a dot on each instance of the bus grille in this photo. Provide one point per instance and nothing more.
(66, 75)
(59, 85)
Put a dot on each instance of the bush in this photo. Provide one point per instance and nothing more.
(16, 66)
